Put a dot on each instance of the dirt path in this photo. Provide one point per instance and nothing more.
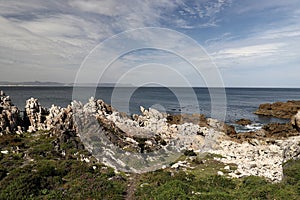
(132, 184)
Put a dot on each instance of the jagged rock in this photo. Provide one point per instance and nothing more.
(36, 115)
(270, 131)
(42, 119)
(153, 124)
(277, 130)
(295, 121)
(279, 109)
(9, 115)
(259, 157)
(60, 118)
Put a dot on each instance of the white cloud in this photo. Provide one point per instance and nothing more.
(56, 35)
(61, 33)
(261, 50)
(282, 33)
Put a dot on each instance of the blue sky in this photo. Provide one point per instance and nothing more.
(253, 43)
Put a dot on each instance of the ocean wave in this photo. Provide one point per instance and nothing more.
(247, 128)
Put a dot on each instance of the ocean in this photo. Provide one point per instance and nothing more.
(240, 102)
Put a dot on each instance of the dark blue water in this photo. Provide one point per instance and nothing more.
(240, 102)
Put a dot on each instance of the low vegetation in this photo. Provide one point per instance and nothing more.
(33, 167)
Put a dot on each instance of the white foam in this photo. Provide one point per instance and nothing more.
(248, 128)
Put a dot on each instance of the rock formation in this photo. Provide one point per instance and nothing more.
(41, 118)
(36, 115)
(279, 109)
(10, 120)
(259, 157)
(243, 122)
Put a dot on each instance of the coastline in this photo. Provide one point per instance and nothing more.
(142, 144)
(194, 132)
(241, 103)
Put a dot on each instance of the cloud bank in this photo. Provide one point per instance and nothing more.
(47, 41)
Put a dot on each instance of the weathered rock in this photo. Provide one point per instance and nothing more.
(36, 115)
(258, 158)
(60, 118)
(199, 119)
(295, 121)
(277, 130)
(279, 109)
(268, 131)
(9, 115)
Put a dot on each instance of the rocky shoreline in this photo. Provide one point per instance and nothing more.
(284, 110)
(259, 153)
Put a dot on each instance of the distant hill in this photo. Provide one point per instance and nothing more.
(39, 83)
(33, 83)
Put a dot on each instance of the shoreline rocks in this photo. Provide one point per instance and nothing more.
(10, 120)
(259, 157)
(36, 115)
(243, 122)
(284, 110)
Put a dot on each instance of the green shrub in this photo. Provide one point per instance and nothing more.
(291, 172)
(21, 184)
(189, 153)
(174, 189)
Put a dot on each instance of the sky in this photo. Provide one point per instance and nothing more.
(251, 43)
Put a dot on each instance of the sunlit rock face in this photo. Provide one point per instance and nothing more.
(10, 120)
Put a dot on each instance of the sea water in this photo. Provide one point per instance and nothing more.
(239, 102)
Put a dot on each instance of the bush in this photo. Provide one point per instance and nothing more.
(21, 184)
(291, 172)
(189, 153)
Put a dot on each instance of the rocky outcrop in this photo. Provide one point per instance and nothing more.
(60, 118)
(283, 110)
(40, 118)
(278, 130)
(243, 122)
(199, 119)
(295, 121)
(271, 131)
(259, 157)
(263, 152)
(153, 130)
(36, 115)
(10, 120)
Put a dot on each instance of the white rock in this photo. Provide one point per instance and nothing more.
(4, 152)
(220, 173)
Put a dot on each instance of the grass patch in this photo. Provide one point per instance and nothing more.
(37, 170)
